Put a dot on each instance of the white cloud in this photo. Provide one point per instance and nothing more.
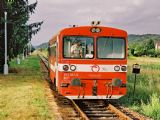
(138, 2)
(119, 9)
(131, 15)
(158, 17)
(82, 11)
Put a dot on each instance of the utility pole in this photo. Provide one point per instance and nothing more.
(5, 38)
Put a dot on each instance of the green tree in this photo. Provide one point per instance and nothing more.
(149, 44)
(19, 31)
(141, 48)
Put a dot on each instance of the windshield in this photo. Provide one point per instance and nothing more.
(78, 47)
(110, 47)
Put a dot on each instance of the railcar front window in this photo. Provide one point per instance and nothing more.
(111, 48)
(78, 47)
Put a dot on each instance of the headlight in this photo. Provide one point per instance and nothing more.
(98, 30)
(73, 67)
(65, 67)
(116, 68)
(124, 68)
(95, 30)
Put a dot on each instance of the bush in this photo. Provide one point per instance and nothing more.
(157, 53)
(151, 53)
(145, 48)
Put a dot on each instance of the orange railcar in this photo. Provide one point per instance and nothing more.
(89, 62)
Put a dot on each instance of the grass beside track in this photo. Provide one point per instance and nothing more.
(146, 99)
(22, 92)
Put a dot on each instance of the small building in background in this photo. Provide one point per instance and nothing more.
(157, 45)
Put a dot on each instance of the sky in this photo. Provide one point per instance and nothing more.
(134, 16)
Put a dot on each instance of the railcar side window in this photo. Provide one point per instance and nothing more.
(78, 47)
(111, 47)
(53, 50)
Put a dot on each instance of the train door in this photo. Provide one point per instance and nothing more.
(49, 60)
(56, 62)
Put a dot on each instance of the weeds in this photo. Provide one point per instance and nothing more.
(152, 108)
(146, 97)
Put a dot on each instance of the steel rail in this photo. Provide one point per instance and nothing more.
(44, 60)
(118, 112)
(81, 113)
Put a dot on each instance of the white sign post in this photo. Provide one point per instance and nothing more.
(5, 38)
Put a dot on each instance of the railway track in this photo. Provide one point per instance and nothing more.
(102, 110)
(44, 60)
(96, 110)
(90, 109)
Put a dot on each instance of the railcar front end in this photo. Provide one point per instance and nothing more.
(90, 62)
